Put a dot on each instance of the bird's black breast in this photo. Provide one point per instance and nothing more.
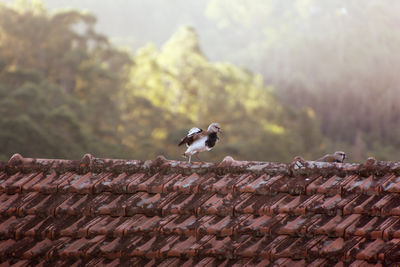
(211, 140)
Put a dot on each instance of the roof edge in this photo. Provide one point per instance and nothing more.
(298, 167)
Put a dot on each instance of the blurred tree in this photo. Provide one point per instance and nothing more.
(184, 84)
(62, 80)
(40, 120)
(66, 91)
(338, 57)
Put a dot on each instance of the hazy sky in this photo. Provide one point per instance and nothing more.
(134, 23)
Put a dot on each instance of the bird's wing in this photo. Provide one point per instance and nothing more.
(326, 158)
(193, 131)
(193, 135)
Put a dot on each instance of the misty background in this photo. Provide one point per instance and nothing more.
(127, 79)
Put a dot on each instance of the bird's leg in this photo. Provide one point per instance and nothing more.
(197, 156)
(190, 157)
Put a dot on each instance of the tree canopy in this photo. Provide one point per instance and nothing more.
(338, 57)
(65, 90)
(60, 85)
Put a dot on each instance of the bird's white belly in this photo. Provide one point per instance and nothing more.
(197, 147)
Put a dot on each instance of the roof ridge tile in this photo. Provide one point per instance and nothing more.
(228, 165)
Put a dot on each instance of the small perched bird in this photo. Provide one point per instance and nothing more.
(338, 156)
(198, 140)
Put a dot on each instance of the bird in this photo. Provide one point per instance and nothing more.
(198, 140)
(338, 157)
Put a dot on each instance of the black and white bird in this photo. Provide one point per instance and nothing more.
(338, 157)
(198, 140)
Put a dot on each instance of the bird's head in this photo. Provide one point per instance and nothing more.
(339, 156)
(214, 127)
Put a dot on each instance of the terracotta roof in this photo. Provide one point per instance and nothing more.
(166, 213)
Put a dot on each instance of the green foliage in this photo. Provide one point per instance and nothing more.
(66, 91)
(60, 87)
(40, 120)
(182, 83)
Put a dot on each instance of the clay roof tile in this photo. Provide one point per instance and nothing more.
(163, 212)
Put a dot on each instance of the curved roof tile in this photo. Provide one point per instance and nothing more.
(165, 212)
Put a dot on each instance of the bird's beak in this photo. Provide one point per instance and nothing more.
(219, 130)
